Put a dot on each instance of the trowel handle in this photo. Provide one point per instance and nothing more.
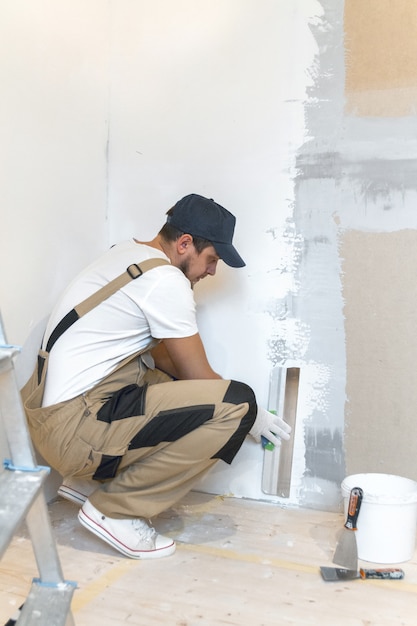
(355, 501)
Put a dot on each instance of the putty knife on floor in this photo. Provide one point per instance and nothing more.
(333, 574)
(346, 553)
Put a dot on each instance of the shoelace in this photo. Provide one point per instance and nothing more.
(145, 532)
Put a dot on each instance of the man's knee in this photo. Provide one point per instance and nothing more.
(239, 393)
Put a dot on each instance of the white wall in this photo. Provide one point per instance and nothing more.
(110, 112)
(206, 98)
(53, 129)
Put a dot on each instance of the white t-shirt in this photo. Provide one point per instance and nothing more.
(159, 304)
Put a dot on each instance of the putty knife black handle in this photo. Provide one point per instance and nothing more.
(355, 501)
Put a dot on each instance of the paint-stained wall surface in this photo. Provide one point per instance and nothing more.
(355, 209)
(378, 239)
(299, 116)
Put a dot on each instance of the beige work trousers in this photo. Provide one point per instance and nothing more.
(150, 478)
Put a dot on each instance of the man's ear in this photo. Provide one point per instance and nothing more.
(183, 243)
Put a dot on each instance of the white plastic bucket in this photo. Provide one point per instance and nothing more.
(387, 520)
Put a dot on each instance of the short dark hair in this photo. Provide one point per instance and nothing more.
(171, 233)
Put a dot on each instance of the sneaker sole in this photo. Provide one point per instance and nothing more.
(103, 534)
(72, 495)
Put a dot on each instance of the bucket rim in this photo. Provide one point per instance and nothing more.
(396, 493)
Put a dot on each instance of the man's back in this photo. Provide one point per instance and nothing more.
(159, 304)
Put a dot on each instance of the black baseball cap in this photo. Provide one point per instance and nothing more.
(202, 217)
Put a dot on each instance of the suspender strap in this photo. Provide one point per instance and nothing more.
(132, 272)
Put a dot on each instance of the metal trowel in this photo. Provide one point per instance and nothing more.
(346, 553)
(277, 463)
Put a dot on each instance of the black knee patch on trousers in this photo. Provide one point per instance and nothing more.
(108, 467)
(172, 425)
(123, 403)
(238, 393)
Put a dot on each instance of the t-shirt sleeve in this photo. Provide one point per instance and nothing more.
(169, 306)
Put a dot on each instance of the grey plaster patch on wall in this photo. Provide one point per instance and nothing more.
(318, 304)
(323, 449)
(373, 179)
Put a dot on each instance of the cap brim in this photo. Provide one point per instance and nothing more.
(229, 254)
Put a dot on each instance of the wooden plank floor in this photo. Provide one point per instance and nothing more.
(238, 562)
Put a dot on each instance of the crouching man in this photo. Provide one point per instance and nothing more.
(124, 403)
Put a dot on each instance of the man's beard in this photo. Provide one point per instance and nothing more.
(184, 267)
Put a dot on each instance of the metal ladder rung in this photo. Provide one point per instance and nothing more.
(47, 605)
(18, 490)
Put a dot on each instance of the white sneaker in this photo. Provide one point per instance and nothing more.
(77, 489)
(132, 537)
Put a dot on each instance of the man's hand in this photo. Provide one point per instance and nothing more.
(269, 426)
